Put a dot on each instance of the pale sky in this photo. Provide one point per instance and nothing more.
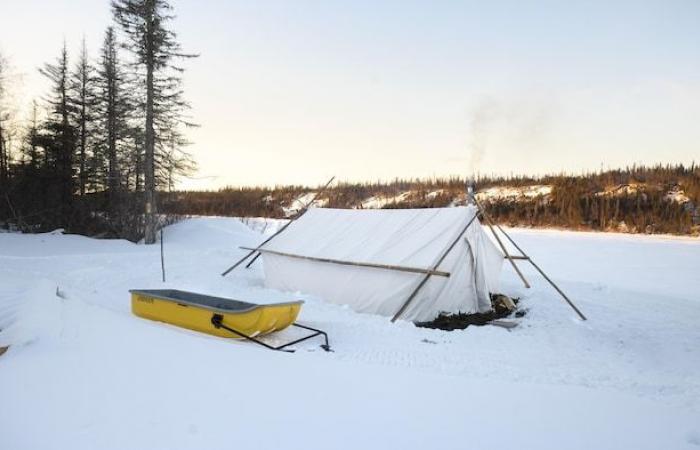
(296, 91)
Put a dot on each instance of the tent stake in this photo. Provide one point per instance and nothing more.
(434, 268)
(544, 275)
(500, 243)
(284, 227)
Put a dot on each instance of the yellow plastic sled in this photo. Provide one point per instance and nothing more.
(219, 316)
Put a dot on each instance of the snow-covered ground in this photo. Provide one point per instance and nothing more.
(83, 373)
(307, 200)
(380, 201)
(514, 193)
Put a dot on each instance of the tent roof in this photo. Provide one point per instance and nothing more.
(407, 237)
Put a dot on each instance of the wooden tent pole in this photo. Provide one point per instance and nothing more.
(162, 256)
(438, 273)
(299, 214)
(544, 275)
(434, 268)
(500, 243)
(284, 227)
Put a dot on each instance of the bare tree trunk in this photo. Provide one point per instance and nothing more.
(150, 194)
(3, 158)
(138, 182)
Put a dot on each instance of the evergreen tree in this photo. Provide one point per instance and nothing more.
(113, 109)
(83, 91)
(61, 135)
(155, 48)
(4, 147)
(9, 127)
(32, 141)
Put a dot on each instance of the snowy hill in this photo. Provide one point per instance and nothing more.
(82, 372)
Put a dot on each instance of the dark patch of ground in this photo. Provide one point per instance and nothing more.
(460, 321)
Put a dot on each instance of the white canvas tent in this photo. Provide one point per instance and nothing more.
(375, 260)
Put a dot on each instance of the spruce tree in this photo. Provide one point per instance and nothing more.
(4, 150)
(83, 92)
(9, 126)
(60, 135)
(155, 49)
(113, 117)
(32, 141)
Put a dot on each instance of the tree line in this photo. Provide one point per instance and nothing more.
(107, 135)
(636, 199)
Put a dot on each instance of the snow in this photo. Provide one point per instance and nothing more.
(514, 193)
(380, 201)
(263, 225)
(301, 202)
(621, 190)
(677, 196)
(432, 195)
(83, 373)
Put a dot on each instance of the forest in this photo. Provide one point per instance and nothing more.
(636, 199)
(105, 138)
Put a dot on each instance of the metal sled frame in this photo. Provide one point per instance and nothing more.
(218, 321)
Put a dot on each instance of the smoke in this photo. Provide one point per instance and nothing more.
(480, 127)
(510, 132)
